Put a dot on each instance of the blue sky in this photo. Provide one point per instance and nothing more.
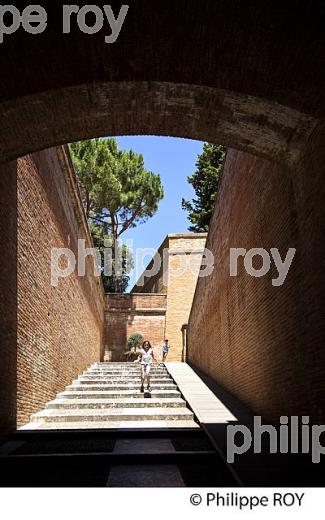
(174, 159)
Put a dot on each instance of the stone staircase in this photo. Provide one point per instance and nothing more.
(102, 431)
(107, 395)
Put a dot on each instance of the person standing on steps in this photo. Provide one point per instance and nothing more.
(165, 350)
(146, 357)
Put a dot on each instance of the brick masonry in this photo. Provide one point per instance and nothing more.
(179, 257)
(8, 297)
(248, 99)
(193, 69)
(59, 328)
(263, 343)
(126, 314)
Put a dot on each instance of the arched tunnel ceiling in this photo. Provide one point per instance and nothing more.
(248, 74)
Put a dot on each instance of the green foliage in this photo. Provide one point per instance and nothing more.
(116, 189)
(112, 282)
(135, 341)
(205, 181)
(118, 193)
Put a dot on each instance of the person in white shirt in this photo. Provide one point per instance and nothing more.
(146, 357)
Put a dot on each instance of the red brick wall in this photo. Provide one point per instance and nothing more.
(126, 314)
(8, 297)
(309, 188)
(265, 344)
(177, 250)
(59, 328)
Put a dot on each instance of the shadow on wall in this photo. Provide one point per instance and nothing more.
(119, 310)
(8, 299)
(265, 343)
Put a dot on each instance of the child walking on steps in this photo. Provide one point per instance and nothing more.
(146, 357)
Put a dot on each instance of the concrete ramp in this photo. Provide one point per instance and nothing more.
(203, 402)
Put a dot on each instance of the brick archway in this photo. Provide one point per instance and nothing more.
(250, 76)
(230, 74)
(240, 121)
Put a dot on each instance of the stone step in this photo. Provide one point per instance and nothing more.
(123, 366)
(114, 414)
(94, 387)
(121, 379)
(129, 366)
(101, 404)
(80, 425)
(135, 394)
(127, 371)
(118, 377)
(134, 366)
(125, 381)
(122, 372)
